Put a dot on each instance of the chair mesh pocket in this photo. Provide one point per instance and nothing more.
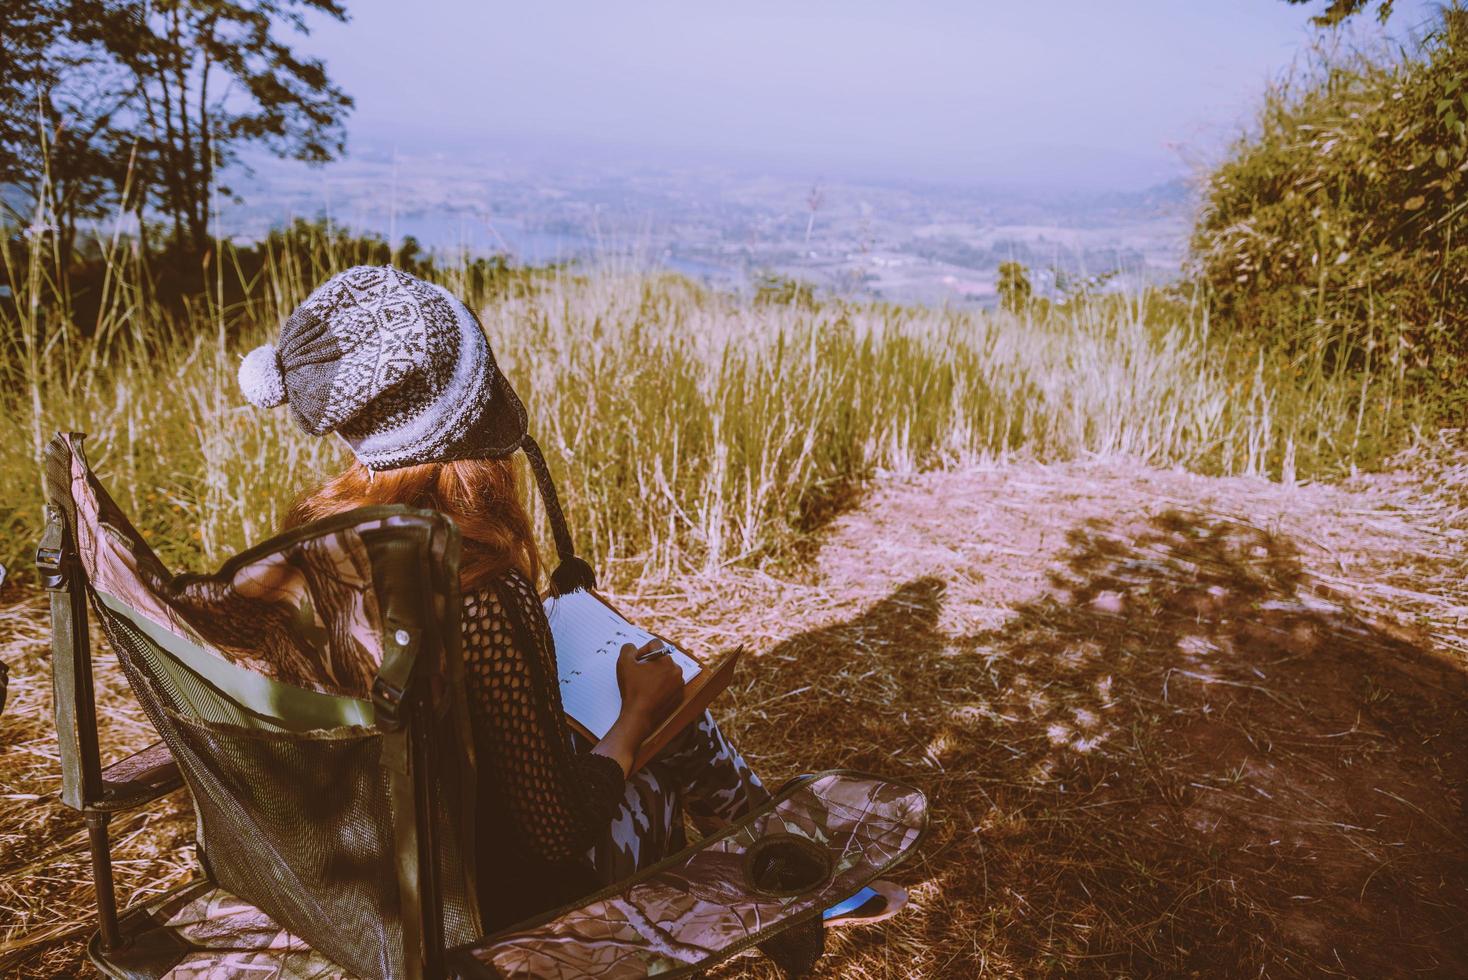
(296, 823)
(299, 824)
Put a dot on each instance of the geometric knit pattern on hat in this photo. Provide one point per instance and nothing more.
(400, 369)
(393, 332)
(396, 365)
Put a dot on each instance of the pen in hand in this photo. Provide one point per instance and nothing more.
(661, 651)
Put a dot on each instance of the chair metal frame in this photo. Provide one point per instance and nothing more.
(84, 785)
(400, 702)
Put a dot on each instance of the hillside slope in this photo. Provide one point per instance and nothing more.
(1168, 723)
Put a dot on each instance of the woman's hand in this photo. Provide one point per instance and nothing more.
(650, 692)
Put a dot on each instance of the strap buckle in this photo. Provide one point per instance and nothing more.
(390, 686)
(52, 554)
(387, 702)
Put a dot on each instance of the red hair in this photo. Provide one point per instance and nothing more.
(483, 497)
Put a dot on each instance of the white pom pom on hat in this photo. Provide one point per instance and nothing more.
(260, 377)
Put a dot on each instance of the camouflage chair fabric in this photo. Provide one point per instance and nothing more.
(310, 693)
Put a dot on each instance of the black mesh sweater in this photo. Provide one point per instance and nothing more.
(541, 803)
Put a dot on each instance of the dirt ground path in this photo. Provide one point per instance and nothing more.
(1170, 725)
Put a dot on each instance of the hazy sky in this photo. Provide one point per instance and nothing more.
(1073, 93)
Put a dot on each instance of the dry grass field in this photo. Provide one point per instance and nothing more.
(1179, 708)
(1171, 724)
(689, 429)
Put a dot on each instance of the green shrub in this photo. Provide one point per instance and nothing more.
(1336, 230)
(771, 288)
(1014, 287)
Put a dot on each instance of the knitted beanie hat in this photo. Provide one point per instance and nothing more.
(401, 370)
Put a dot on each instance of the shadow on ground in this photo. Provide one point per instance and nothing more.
(1180, 762)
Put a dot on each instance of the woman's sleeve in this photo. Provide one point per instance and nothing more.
(556, 799)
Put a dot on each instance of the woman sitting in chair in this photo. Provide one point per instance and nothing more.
(402, 372)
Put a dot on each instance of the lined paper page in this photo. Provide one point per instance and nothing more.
(588, 636)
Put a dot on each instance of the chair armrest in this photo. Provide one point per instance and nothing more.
(818, 841)
(140, 778)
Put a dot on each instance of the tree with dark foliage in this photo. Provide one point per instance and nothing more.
(142, 103)
(210, 76)
(1337, 11)
(60, 100)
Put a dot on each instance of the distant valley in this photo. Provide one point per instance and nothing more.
(879, 239)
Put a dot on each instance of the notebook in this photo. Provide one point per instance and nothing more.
(588, 634)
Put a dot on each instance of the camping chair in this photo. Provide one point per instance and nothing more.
(309, 694)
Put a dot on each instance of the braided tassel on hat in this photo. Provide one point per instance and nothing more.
(573, 572)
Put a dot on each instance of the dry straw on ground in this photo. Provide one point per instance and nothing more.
(1170, 724)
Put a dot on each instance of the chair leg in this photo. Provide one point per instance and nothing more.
(102, 879)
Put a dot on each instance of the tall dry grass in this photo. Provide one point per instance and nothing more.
(688, 428)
